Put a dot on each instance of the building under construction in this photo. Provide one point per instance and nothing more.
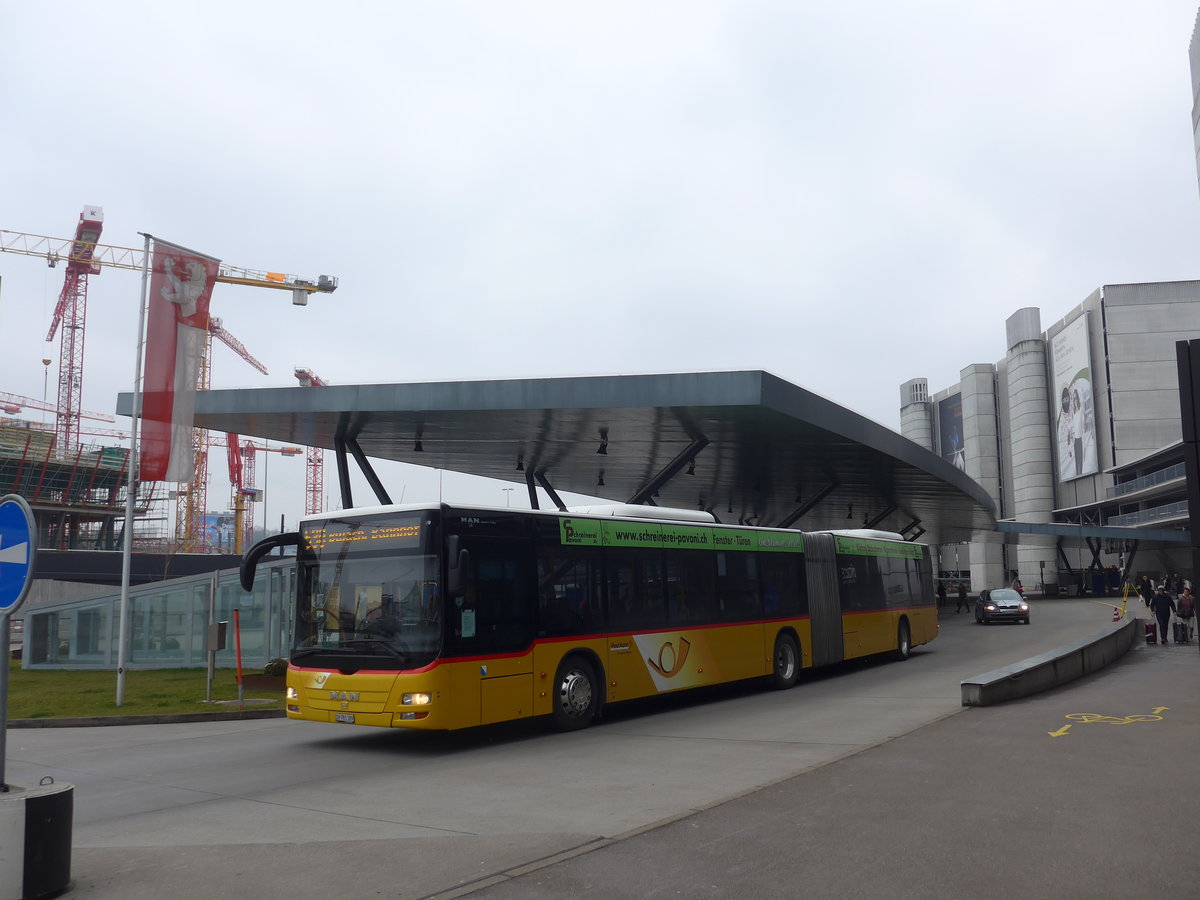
(77, 493)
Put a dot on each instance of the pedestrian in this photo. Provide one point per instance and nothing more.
(1145, 590)
(941, 592)
(961, 602)
(1162, 606)
(1018, 587)
(1185, 608)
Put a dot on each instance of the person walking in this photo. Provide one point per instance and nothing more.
(961, 601)
(1185, 608)
(1162, 606)
(1145, 590)
(941, 594)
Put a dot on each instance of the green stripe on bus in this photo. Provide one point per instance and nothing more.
(869, 547)
(607, 533)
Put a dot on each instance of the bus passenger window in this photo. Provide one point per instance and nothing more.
(635, 591)
(566, 596)
(737, 589)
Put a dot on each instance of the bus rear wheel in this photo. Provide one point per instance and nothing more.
(903, 641)
(576, 694)
(785, 669)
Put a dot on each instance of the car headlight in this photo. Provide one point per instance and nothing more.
(415, 700)
(293, 694)
(1024, 607)
(991, 607)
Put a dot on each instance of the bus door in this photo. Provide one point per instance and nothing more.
(824, 601)
(491, 624)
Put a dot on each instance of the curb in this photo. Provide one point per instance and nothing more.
(177, 718)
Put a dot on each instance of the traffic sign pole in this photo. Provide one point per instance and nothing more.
(18, 552)
(4, 703)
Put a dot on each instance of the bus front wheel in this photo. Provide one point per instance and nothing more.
(785, 662)
(576, 694)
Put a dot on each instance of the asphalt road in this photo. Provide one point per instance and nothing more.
(867, 780)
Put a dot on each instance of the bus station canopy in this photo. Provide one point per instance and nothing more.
(745, 445)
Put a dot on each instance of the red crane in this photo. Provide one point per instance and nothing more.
(192, 501)
(241, 477)
(314, 473)
(71, 313)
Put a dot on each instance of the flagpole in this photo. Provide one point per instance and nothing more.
(131, 485)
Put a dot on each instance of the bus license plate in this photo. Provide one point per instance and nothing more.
(348, 718)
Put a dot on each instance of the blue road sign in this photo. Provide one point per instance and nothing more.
(17, 552)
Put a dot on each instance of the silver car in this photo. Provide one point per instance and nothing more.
(1001, 605)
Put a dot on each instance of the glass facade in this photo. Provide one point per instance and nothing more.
(167, 623)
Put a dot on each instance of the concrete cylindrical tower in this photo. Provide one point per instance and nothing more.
(1031, 443)
(916, 422)
(981, 449)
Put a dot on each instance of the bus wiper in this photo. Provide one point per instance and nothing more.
(309, 651)
(375, 644)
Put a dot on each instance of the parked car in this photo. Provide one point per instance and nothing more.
(1001, 605)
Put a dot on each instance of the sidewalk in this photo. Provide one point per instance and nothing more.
(1084, 791)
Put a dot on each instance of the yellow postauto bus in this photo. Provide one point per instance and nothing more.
(444, 618)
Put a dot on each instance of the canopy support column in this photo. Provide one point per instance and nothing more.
(550, 492)
(672, 469)
(807, 505)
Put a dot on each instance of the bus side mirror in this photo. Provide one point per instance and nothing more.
(261, 549)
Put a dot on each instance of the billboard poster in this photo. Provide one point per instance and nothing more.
(218, 531)
(1071, 392)
(950, 428)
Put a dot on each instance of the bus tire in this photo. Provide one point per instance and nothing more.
(903, 640)
(785, 662)
(576, 694)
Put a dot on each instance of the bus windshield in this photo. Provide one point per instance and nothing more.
(368, 589)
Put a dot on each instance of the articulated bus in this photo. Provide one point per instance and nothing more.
(446, 618)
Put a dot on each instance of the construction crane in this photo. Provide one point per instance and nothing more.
(70, 313)
(84, 257)
(14, 403)
(242, 479)
(314, 471)
(192, 501)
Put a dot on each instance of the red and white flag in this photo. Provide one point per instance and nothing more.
(176, 336)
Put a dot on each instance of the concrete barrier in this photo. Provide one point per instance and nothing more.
(1048, 670)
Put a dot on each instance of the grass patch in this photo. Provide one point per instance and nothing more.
(60, 694)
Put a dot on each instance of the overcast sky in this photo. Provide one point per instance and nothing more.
(846, 195)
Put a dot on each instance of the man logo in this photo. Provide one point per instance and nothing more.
(669, 662)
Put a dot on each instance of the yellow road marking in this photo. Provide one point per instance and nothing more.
(1098, 719)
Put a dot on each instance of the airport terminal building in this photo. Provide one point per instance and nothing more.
(1078, 425)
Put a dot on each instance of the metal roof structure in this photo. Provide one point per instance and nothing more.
(746, 445)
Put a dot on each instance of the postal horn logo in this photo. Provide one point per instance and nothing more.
(669, 661)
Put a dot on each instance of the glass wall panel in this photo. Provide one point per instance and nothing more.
(92, 634)
(199, 635)
(159, 624)
(167, 623)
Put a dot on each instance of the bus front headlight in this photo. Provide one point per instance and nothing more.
(293, 694)
(415, 700)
